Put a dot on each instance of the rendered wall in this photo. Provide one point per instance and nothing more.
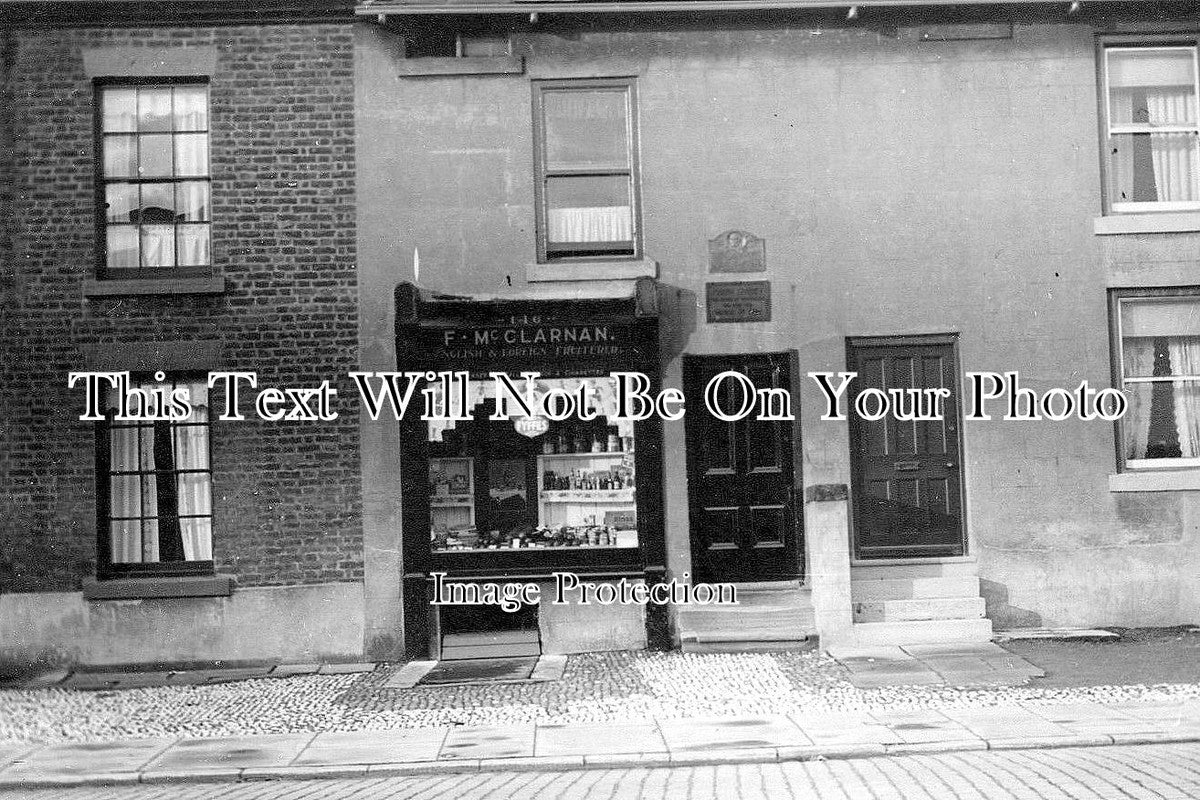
(903, 187)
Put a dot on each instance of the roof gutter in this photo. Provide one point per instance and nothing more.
(385, 8)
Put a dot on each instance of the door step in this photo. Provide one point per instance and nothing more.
(491, 644)
(937, 631)
(934, 608)
(883, 589)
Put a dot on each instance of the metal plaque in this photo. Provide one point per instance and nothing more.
(737, 251)
(738, 301)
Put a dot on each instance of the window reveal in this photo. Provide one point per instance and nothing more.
(1153, 130)
(1160, 369)
(586, 168)
(154, 179)
(156, 488)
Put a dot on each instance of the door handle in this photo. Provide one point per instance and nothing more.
(950, 465)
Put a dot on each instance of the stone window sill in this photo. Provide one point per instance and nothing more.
(158, 587)
(465, 65)
(1167, 222)
(592, 270)
(153, 286)
(1155, 481)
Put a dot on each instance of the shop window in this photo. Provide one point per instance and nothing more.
(494, 487)
(153, 182)
(585, 136)
(1159, 368)
(1152, 128)
(155, 487)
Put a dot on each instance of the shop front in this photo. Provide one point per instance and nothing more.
(507, 492)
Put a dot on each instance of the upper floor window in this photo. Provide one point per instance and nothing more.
(155, 487)
(153, 179)
(1158, 335)
(1151, 96)
(585, 139)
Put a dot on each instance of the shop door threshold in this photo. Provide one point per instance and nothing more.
(491, 644)
(480, 670)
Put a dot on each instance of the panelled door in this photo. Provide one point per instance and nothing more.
(741, 493)
(907, 481)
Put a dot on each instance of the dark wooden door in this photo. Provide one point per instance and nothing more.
(907, 481)
(741, 492)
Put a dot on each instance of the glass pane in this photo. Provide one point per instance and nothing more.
(191, 154)
(191, 449)
(123, 454)
(121, 201)
(1153, 86)
(191, 201)
(125, 496)
(120, 156)
(150, 540)
(191, 108)
(586, 129)
(119, 109)
(154, 159)
(126, 541)
(1160, 316)
(158, 245)
(147, 452)
(197, 537)
(122, 247)
(1163, 420)
(1154, 168)
(154, 109)
(158, 203)
(193, 245)
(589, 209)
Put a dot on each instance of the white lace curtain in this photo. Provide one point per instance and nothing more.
(135, 496)
(1165, 81)
(1184, 404)
(602, 399)
(596, 224)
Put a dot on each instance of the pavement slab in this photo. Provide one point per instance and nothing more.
(232, 752)
(921, 727)
(1005, 723)
(367, 747)
(509, 741)
(846, 653)
(831, 730)
(689, 735)
(409, 675)
(288, 670)
(588, 740)
(84, 759)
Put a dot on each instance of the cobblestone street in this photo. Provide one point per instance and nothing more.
(1145, 772)
(603, 687)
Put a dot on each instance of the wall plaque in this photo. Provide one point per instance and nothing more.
(738, 301)
(737, 251)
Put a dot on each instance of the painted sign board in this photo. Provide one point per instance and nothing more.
(738, 301)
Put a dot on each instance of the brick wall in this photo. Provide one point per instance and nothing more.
(287, 501)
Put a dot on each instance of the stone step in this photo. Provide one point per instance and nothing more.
(920, 609)
(879, 590)
(772, 634)
(913, 570)
(795, 645)
(744, 618)
(757, 587)
(937, 631)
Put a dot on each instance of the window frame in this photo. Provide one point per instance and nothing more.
(610, 251)
(106, 568)
(1104, 45)
(101, 180)
(1115, 299)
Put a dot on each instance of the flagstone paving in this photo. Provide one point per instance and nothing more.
(553, 747)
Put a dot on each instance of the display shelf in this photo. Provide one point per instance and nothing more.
(587, 454)
(587, 496)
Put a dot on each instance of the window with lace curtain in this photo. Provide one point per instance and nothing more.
(585, 140)
(1151, 97)
(153, 183)
(1159, 366)
(155, 489)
